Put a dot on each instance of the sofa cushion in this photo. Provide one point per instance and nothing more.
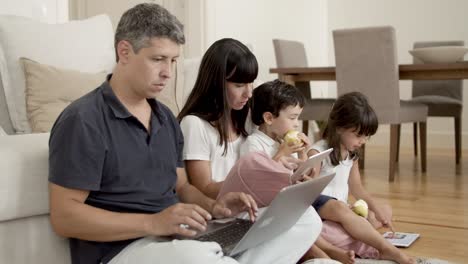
(84, 45)
(50, 89)
(5, 121)
(24, 176)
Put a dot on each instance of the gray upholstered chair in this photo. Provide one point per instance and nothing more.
(293, 54)
(366, 61)
(443, 97)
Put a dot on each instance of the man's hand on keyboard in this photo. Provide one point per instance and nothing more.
(234, 203)
(182, 219)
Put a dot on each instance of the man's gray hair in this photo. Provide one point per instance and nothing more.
(145, 21)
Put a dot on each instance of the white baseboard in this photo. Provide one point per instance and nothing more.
(435, 139)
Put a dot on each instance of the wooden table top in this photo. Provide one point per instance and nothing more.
(433, 71)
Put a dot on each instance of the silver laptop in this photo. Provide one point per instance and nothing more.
(283, 213)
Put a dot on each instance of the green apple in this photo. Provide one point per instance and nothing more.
(291, 137)
(360, 208)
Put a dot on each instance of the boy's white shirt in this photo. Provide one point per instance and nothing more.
(260, 142)
(338, 187)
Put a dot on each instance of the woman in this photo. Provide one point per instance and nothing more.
(213, 119)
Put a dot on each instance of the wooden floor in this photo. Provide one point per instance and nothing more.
(434, 204)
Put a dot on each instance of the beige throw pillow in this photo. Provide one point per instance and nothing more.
(82, 45)
(49, 90)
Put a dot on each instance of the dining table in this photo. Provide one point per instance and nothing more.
(428, 71)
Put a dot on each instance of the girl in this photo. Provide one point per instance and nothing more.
(350, 124)
(213, 124)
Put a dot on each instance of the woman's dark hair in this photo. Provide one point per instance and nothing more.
(350, 111)
(273, 97)
(225, 60)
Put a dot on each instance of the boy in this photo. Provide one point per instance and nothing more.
(275, 109)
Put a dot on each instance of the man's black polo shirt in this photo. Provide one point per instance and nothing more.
(97, 145)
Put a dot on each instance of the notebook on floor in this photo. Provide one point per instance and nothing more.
(284, 211)
(400, 239)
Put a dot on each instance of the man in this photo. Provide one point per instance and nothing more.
(118, 188)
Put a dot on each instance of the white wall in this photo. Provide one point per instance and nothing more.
(415, 20)
(81, 9)
(258, 22)
(51, 11)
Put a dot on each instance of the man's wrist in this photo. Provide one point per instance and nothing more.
(147, 224)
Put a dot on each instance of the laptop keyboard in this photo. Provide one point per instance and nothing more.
(228, 236)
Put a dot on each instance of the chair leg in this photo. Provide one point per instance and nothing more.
(458, 139)
(415, 138)
(393, 151)
(305, 127)
(423, 143)
(362, 155)
(398, 143)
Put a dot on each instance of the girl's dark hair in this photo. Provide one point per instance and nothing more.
(273, 97)
(225, 60)
(351, 110)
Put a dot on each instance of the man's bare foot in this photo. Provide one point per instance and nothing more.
(343, 256)
(396, 255)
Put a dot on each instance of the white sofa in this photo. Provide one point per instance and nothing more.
(26, 235)
(25, 232)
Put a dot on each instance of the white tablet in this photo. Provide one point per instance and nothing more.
(309, 164)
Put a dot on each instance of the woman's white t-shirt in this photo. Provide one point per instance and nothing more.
(201, 142)
(338, 187)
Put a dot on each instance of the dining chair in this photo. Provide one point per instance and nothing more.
(290, 53)
(444, 98)
(366, 61)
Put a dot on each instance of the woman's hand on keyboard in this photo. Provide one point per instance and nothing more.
(233, 203)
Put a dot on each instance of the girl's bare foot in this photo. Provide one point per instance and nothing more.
(393, 253)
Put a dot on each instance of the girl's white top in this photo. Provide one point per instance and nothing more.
(338, 187)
